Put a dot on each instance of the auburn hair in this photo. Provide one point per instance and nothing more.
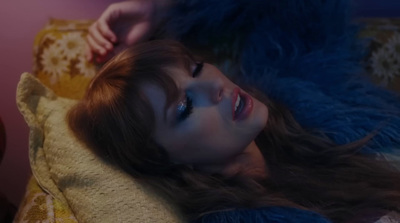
(306, 170)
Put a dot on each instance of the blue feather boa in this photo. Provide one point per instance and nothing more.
(260, 215)
(304, 54)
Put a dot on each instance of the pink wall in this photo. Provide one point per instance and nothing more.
(20, 20)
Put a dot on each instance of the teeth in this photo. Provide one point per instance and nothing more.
(237, 102)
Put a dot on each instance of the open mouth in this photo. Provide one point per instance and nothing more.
(242, 105)
(239, 105)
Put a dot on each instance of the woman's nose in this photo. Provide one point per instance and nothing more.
(210, 89)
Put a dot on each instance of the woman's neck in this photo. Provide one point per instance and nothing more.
(249, 163)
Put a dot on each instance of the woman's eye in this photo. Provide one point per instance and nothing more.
(185, 108)
(197, 69)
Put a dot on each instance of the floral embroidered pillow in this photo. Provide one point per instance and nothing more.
(74, 176)
(383, 61)
(59, 60)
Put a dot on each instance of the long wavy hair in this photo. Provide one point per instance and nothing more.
(305, 170)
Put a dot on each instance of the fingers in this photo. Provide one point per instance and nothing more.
(88, 52)
(99, 40)
(127, 22)
(95, 57)
(95, 47)
(105, 31)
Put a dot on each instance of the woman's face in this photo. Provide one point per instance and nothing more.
(211, 122)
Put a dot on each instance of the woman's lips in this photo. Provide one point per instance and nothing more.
(244, 108)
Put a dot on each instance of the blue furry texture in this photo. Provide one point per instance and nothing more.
(302, 53)
(260, 215)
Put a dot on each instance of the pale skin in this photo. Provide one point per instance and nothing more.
(121, 25)
(209, 139)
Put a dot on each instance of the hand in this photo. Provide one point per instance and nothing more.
(122, 24)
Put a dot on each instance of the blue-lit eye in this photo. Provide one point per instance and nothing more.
(185, 108)
(197, 70)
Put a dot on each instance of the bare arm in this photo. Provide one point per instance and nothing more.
(123, 24)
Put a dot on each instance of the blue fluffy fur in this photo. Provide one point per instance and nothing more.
(303, 53)
(260, 215)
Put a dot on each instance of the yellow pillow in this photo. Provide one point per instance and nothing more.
(63, 167)
(59, 57)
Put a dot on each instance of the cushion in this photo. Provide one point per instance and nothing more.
(58, 55)
(70, 172)
(39, 206)
(383, 59)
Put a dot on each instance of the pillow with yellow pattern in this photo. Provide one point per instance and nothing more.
(70, 172)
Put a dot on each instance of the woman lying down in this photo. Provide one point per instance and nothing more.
(298, 137)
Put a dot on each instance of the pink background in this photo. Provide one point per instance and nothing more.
(20, 20)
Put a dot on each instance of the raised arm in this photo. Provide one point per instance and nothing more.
(123, 24)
